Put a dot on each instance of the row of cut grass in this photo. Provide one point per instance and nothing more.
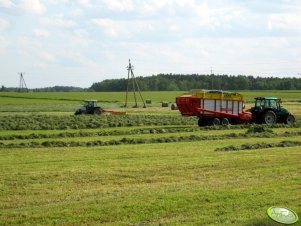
(121, 131)
(142, 138)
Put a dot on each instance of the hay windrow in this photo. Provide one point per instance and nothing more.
(56, 122)
(262, 145)
(168, 139)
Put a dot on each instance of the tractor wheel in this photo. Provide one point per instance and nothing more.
(225, 122)
(97, 112)
(216, 122)
(78, 112)
(290, 119)
(269, 118)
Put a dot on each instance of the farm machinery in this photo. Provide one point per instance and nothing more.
(90, 107)
(215, 107)
(268, 110)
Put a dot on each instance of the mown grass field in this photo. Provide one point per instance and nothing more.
(58, 102)
(119, 97)
(150, 167)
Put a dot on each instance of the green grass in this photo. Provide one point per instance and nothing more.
(69, 101)
(155, 184)
(279, 131)
(27, 132)
(80, 96)
(178, 183)
(155, 96)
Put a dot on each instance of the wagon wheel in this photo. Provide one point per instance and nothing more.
(202, 122)
(216, 122)
(225, 122)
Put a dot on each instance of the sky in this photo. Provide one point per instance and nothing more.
(79, 42)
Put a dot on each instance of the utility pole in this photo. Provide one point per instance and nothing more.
(132, 80)
(212, 75)
(22, 84)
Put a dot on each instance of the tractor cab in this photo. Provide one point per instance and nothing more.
(267, 102)
(89, 107)
(90, 103)
(268, 110)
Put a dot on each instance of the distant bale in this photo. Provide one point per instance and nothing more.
(174, 107)
(165, 104)
(148, 101)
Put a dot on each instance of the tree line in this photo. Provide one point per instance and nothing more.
(46, 89)
(174, 82)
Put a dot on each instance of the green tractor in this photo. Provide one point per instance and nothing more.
(89, 107)
(268, 110)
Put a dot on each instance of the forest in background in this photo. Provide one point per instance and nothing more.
(46, 89)
(176, 82)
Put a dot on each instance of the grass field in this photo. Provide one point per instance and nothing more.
(119, 97)
(68, 102)
(150, 167)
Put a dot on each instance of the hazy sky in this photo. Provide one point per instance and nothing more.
(78, 42)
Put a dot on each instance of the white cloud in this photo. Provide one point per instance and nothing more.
(119, 5)
(58, 21)
(57, 1)
(78, 59)
(115, 28)
(76, 13)
(111, 27)
(260, 56)
(33, 6)
(85, 3)
(41, 33)
(155, 5)
(207, 16)
(174, 28)
(92, 37)
(80, 37)
(3, 44)
(4, 24)
(285, 21)
(47, 56)
(6, 3)
(109, 55)
(193, 13)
